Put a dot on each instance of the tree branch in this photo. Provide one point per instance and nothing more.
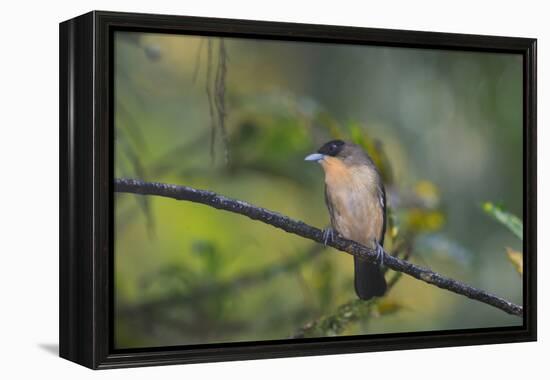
(306, 231)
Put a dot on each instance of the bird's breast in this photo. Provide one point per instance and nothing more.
(356, 211)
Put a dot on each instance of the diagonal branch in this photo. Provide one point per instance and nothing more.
(306, 231)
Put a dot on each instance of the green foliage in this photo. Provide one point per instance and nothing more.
(514, 224)
(334, 325)
(509, 220)
(206, 276)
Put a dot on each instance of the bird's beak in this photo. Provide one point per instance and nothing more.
(315, 157)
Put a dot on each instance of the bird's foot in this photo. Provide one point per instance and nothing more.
(328, 235)
(379, 254)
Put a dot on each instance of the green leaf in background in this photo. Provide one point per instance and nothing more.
(511, 221)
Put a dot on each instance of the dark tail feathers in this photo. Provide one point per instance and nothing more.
(369, 280)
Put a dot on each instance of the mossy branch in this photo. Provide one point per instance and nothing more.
(304, 230)
(349, 312)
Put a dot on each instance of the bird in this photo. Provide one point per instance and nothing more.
(356, 201)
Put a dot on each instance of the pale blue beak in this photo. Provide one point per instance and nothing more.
(315, 157)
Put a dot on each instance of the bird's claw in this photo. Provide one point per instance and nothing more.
(379, 254)
(328, 235)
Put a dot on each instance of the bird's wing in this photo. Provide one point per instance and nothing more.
(382, 198)
(328, 202)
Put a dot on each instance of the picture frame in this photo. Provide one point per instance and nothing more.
(87, 189)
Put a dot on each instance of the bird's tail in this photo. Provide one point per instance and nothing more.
(369, 279)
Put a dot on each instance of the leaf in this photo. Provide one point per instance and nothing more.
(428, 193)
(387, 307)
(393, 223)
(420, 220)
(516, 258)
(506, 218)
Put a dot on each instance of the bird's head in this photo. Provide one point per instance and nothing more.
(338, 152)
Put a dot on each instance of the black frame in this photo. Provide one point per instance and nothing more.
(86, 189)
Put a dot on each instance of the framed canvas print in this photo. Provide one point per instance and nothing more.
(237, 189)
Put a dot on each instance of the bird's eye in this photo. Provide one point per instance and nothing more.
(332, 148)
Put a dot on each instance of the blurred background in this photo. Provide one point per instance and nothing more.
(238, 116)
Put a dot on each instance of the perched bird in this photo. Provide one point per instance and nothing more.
(356, 201)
